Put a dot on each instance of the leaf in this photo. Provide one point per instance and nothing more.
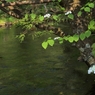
(70, 39)
(55, 17)
(82, 36)
(60, 39)
(91, 5)
(49, 38)
(91, 25)
(59, 0)
(51, 42)
(62, 8)
(41, 18)
(79, 13)
(88, 33)
(93, 49)
(93, 52)
(76, 37)
(33, 16)
(92, 22)
(26, 16)
(82, 8)
(44, 44)
(65, 38)
(60, 42)
(10, 0)
(93, 45)
(87, 9)
(71, 16)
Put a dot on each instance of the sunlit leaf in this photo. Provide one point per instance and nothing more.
(59, 0)
(55, 17)
(91, 5)
(65, 38)
(44, 44)
(70, 39)
(92, 22)
(41, 18)
(91, 25)
(10, 0)
(33, 16)
(60, 42)
(79, 13)
(93, 49)
(76, 37)
(51, 42)
(60, 39)
(71, 16)
(26, 16)
(88, 33)
(93, 45)
(87, 9)
(82, 36)
(93, 52)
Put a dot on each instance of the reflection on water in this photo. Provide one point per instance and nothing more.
(27, 69)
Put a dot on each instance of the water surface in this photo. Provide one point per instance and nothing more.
(27, 69)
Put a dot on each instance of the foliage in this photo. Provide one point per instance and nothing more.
(21, 37)
(10, 0)
(55, 15)
(93, 49)
(49, 41)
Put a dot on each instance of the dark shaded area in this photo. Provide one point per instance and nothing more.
(91, 91)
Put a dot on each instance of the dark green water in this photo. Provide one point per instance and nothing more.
(27, 69)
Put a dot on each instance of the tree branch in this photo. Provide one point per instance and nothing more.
(11, 13)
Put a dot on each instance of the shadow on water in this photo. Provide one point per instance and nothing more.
(27, 69)
(92, 90)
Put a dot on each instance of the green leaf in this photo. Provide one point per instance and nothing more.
(65, 38)
(60, 39)
(79, 13)
(41, 18)
(91, 25)
(62, 8)
(82, 36)
(70, 39)
(71, 16)
(10, 0)
(93, 45)
(51, 42)
(93, 49)
(26, 16)
(87, 9)
(82, 8)
(60, 42)
(88, 33)
(55, 17)
(76, 37)
(59, 0)
(44, 44)
(93, 52)
(92, 22)
(33, 16)
(91, 5)
(49, 38)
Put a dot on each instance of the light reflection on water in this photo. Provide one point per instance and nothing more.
(27, 69)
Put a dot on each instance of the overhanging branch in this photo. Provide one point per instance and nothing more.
(11, 13)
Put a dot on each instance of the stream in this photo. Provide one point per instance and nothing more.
(27, 69)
